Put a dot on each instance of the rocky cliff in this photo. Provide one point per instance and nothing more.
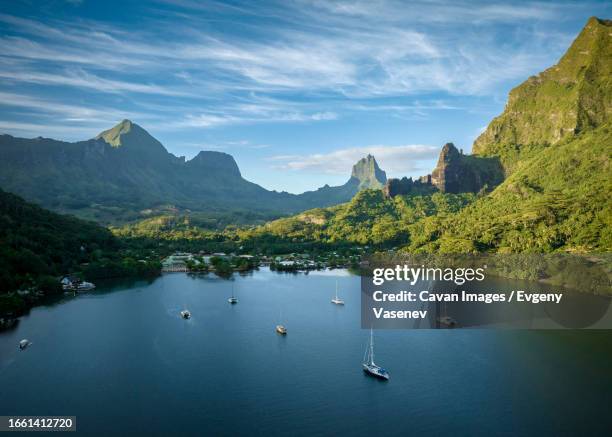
(573, 96)
(369, 175)
(454, 173)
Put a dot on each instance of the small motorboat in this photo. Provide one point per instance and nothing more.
(281, 329)
(24, 343)
(185, 314)
(85, 286)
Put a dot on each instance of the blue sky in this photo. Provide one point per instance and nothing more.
(296, 91)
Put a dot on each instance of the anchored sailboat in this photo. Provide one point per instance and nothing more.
(335, 300)
(233, 299)
(368, 364)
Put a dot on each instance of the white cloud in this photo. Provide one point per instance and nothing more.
(68, 112)
(360, 49)
(298, 62)
(396, 160)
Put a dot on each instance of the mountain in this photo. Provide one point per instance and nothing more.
(368, 174)
(454, 173)
(549, 156)
(573, 96)
(37, 245)
(125, 174)
(365, 174)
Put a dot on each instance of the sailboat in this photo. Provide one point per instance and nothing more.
(368, 364)
(446, 321)
(233, 299)
(24, 343)
(281, 328)
(335, 300)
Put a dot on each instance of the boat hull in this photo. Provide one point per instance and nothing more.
(376, 372)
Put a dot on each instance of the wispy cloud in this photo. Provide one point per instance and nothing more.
(358, 49)
(210, 64)
(67, 112)
(398, 160)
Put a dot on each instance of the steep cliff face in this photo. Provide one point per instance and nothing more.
(369, 175)
(571, 97)
(459, 173)
(216, 164)
(447, 174)
(454, 173)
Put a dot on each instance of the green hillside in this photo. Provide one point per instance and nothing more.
(560, 199)
(125, 174)
(38, 246)
(569, 98)
(369, 218)
(554, 141)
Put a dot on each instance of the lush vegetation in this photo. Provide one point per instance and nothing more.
(558, 200)
(38, 246)
(573, 96)
(368, 219)
(554, 141)
(125, 175)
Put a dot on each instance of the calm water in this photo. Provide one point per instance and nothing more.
(122, 361)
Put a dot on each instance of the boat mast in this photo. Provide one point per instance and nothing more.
(371, 346)
(336, 289)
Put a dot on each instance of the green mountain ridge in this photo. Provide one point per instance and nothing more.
(573, 96)
(125, 174)
(38, 246)
(554, 142)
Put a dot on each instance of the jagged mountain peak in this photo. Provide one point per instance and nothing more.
(113, 135)
(368, 173)
(131, 136)
(449, 151)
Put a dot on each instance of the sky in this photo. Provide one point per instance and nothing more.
(296, 91)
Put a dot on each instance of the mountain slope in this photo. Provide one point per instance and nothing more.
(573, 96)
(36, 243)
(125, 174)
(554, 140)
(557, 200)
(365, 174)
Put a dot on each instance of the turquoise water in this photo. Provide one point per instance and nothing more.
(122, 360)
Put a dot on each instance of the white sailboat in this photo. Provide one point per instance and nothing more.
(335, 300)
(368, 364)
(233, 299)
